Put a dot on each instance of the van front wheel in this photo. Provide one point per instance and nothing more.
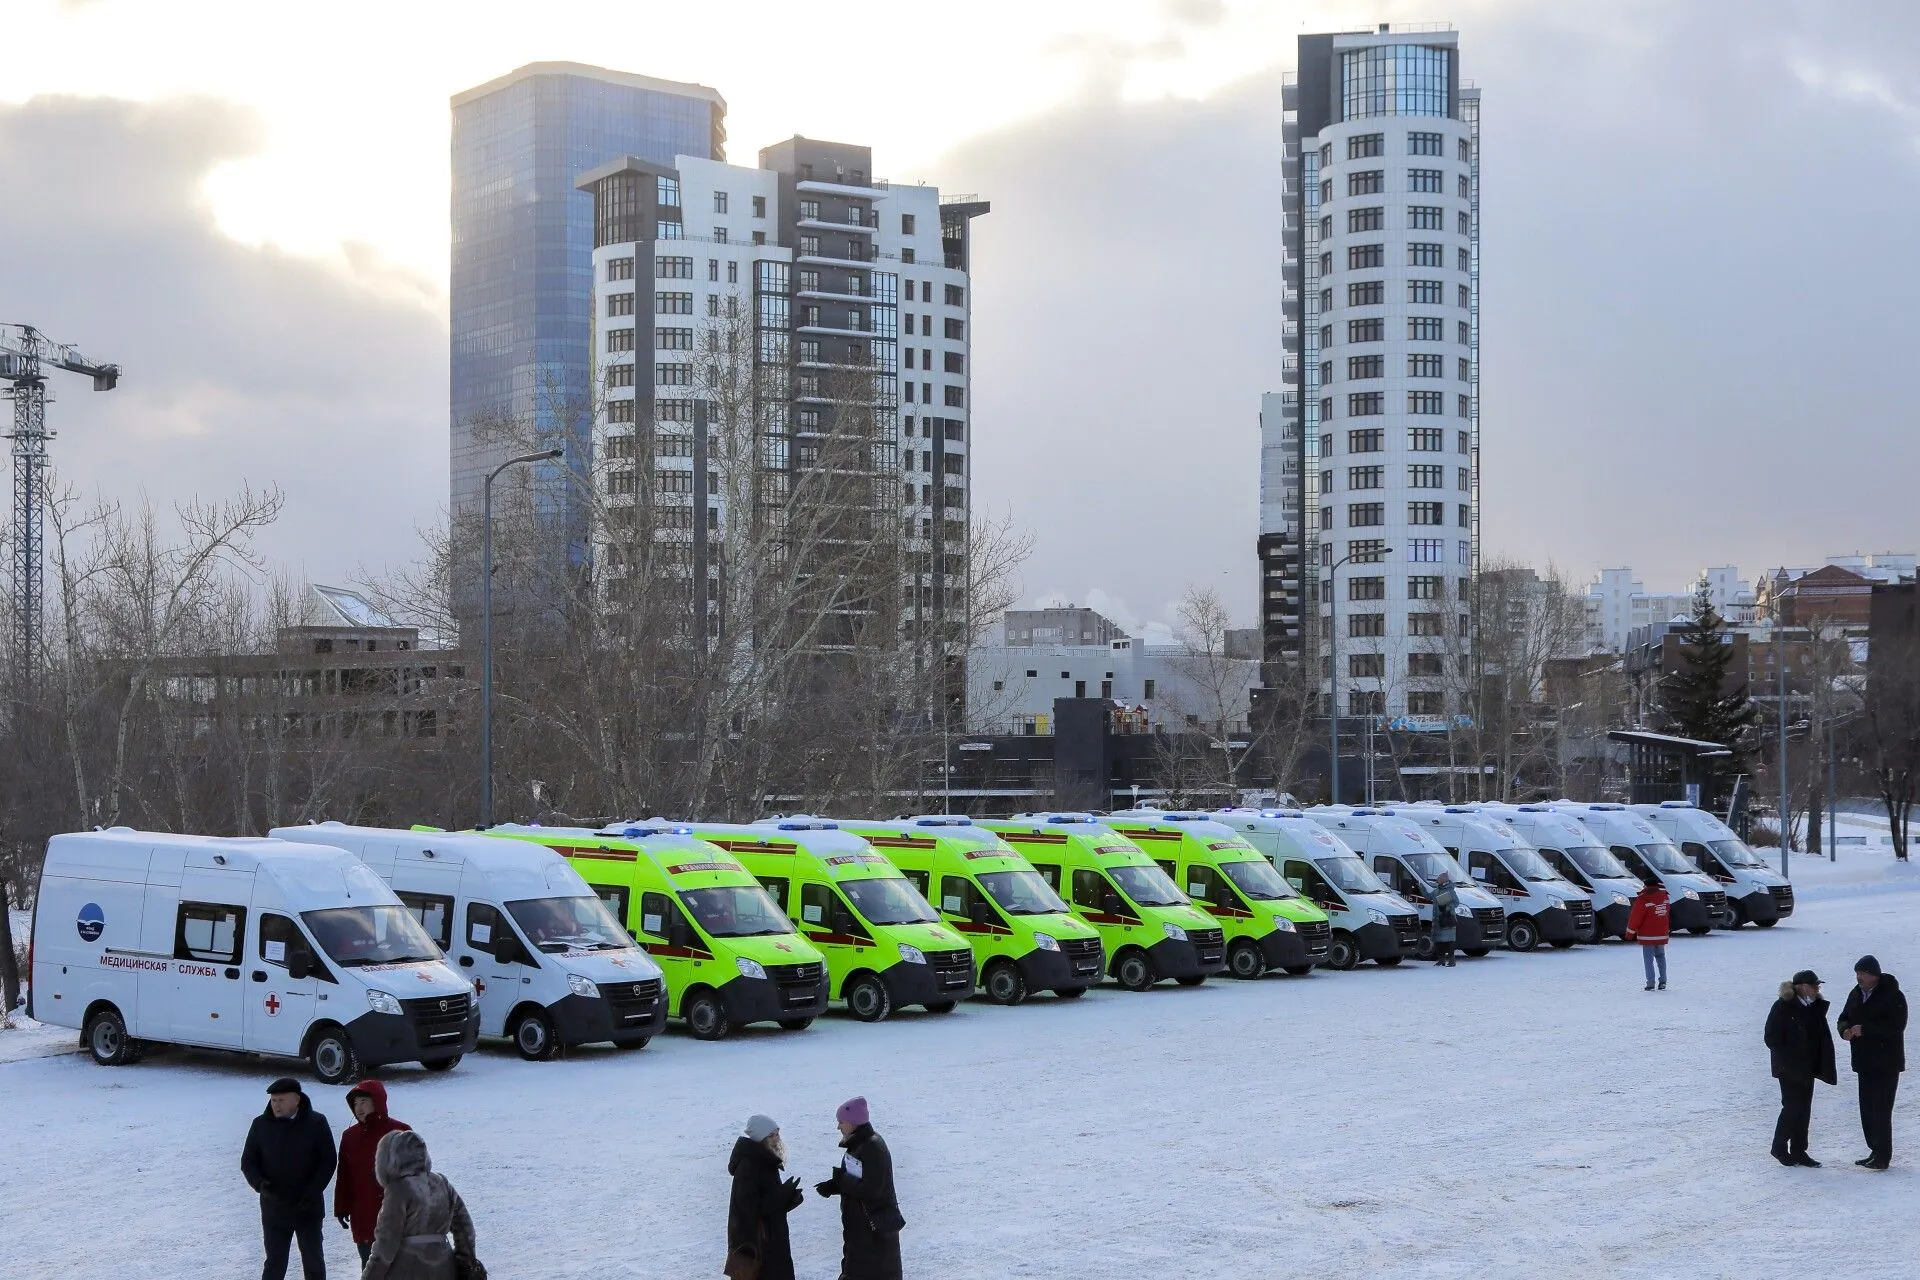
(707, 1017)
(939, 1006)
(796, 1024)
(1245, 960)
(1134, 971)
(108, 1042)
(1521, 934)
(442, 1064)
(332, 1057)
(1005, 984)
(1342, 951)
(867, 998)
(533, 1036)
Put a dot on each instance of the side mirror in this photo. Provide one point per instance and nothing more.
(506, 948)
(677, 933)
(842, 920)
(300, 964)
(1110, 903)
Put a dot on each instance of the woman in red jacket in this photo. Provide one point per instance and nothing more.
(356, 1194)
(1647, 924)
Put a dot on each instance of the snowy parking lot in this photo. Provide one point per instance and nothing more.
(1517, 1115)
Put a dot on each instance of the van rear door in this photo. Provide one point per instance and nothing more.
(210, 931)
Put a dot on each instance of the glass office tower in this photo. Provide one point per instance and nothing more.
(520, 291)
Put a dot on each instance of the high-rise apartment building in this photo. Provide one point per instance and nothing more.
(521, 284)
(1381, 363)
(794, 333)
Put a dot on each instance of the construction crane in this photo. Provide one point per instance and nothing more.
(25, 357)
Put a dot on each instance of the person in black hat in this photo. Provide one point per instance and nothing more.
(1874, 1023)
(288, 1160)
(1802, 1049)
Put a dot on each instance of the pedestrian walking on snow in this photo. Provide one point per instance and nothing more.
(356, 1192)
(1874, 1023)
(1648, 924)
(870, 1220)
(1802, 1050)
(288, 1159)
(1446, 904)
(419, 1209)
(757, 1244)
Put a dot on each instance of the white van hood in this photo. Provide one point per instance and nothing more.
(1472, 895)
(628, 964)
(414, 979)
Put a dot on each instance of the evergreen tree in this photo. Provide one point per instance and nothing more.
(1695, 699)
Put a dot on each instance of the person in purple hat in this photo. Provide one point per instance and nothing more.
(870, 1220)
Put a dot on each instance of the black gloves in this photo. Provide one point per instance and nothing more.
(826, 1189)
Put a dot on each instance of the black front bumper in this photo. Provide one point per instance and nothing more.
(1557, 924)
(1057, 970)
(1611, 922)
(1471, 934)
(1377, 942)
(1691, 913)
(598, 1020)
(1759, 906)
(764, 1000)
(929, 983)
(382, 1038)
(1175, 959)
(1288, 949)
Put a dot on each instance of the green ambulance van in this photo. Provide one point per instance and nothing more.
(1024, 938)
(1268, 925)
(1149, 928)
(729, 954)
(884, 944)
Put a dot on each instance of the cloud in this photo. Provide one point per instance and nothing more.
(238, 364)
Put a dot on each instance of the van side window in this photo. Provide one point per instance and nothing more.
(961, 896)
(776, 887)
(1395, 873)
(483, 922)
(1204, 883)
(209, 932)
(1487, 869)
(1306, 877)
(1635, 863)
(1166, 865)
(1701, 857)
(921, 880)
(655, 914)
(1090, 890)
(616, 896)
(280, 939)
(816, 905)
(1050, 873)
(434, 911)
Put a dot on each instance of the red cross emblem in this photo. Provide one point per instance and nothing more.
(273, 1005)
(480, 986)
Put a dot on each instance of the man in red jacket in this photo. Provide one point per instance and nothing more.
(1647, 924)
(356, 1195)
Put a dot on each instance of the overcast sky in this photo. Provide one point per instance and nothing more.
(1698, 284)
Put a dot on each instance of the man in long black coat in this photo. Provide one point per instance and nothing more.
(1802, 1049)
(289, 1159)
(870, 1218)
(1874, 1023)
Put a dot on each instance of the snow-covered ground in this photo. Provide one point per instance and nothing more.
(1517, 1115)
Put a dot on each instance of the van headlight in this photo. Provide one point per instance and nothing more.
(1175, 932)
(382, 1002)
(1376, 917)
(1690, 893)
(1464, 911)
(912, 955)
(749, 968)
(583, 986)
(1282, 925)
(1046, 942)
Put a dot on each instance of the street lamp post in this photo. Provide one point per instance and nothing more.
(1333, 665)
(486, 630)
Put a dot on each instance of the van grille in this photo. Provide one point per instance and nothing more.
(952, 970)
(438, 1019)
(1492, 922)
(1782, 898)
(1209, 945)
(1407, 929)
(1316, 934)
(1083, 956)
(631, 1002)
(1714, 899)
(1582, 912)
(799, 984)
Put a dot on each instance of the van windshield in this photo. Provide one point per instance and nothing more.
(1431, 866)
(1597, 862)
(736, 911)
(1350, 875)
(1529, 864)
(1258, 880)
(1664, 857)
(1735, 853)
(356, 936)
(568, 924)
(888, 900)
(1021, 893)
(1147, 886)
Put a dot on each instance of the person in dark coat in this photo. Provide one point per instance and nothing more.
(356, 1192)
(288, 1160)
(418, 1212)
(1874, 1023)
(762, 1199)
(1802, 1050)
(1446, 903)
(870, 1220)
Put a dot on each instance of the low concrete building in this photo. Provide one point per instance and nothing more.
(1011, 688)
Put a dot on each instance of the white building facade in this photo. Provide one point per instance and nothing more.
(1011, 688)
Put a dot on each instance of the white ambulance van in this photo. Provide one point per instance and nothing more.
(1755, 891)
(552, 967)
(1694, 901)
(254, 945)
(1542, 905)
(1412, 861)
(1570, 848)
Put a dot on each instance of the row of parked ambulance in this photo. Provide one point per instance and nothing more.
(353, 947)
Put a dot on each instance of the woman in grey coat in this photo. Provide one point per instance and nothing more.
(1446, 901)
(419, 1211)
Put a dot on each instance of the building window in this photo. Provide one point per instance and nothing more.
(1466, 189)
(673, 304)
(1424, 144)
(619, 339)
(1366, 588)
(1427, 550)
(1426, 439)
(1326, 263)
(1422, 366)
(667, 192)
(719, 202)
(673, 268)
(1368, 293)
(619, 304)
(1362, 146)
(1464, 261)
(1464, 224)
(956, 296)
(673, 375)
(956, 398)
(1366, 182)
(673, 339)
(1426, 181)
(1366, 626)
(809, 246)
(1423, 253)
(1362, 256)
(713, 270)
(1366, 330)
(1426, 477)
(1425, 217)
(1425, 702)
(1366, 666)
(1425, 293)
(1366, 515)
(1326, 481)
(1326, 227)
(759, 206)
(810, 210)
(1360, 551)
(1366, 366)
(619, 268)
(1465, 334)
(1365, 477)
(1466, 370)
(619, 411)
(1426, 513)
(1426, 329)
(1466, 557)
(620, 375)
(1326, 517)
(673, 411)
(665, 230)
(1426, 625)
(1425, 587)
(1326, 191)
(1424, 664)
(1465, 406)
(1466, 516)
(1369, 440)
(1363, 404)
(1326, 407)
(1426, 402)
(1326, 335)
(1366, 702)
(906, 224)
(1466, 297)
(1366, 218)
(1466, 480)
(1463, 442)
(1326, 372)
(956, 330)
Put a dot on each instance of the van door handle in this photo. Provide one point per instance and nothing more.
(466, 962)
(233, 973)
(259, 975)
